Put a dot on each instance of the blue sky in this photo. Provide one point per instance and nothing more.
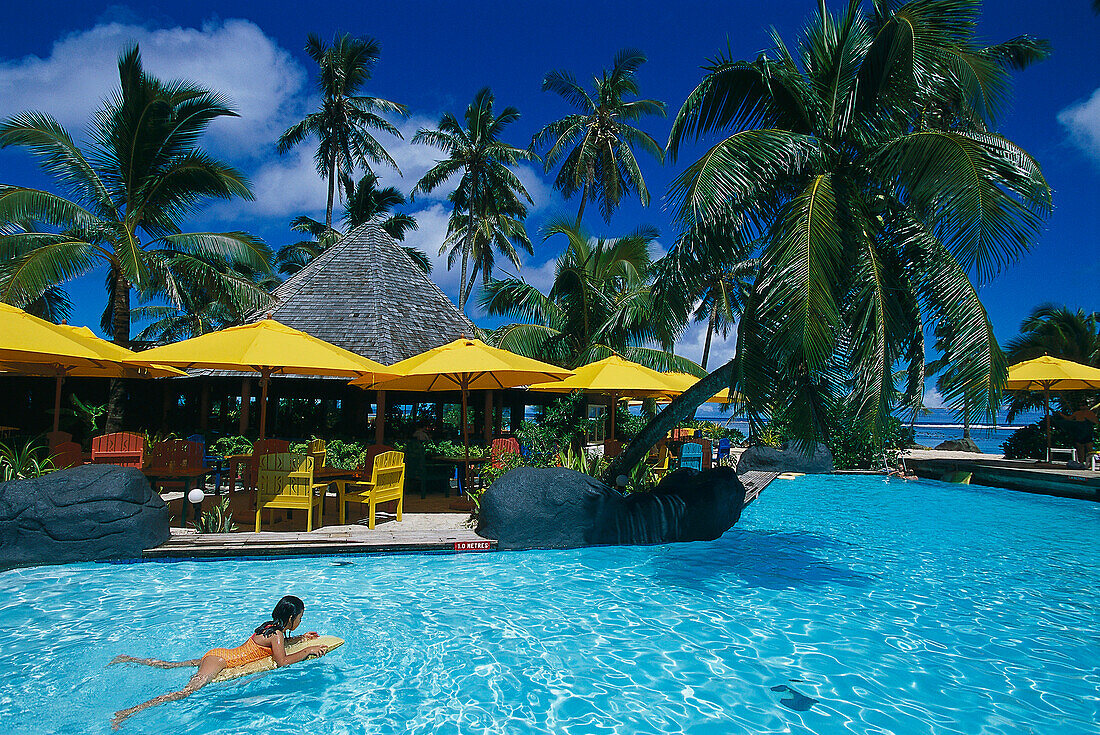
(60, 57)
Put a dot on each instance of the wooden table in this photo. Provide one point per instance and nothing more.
(6, 431)
(189, 476)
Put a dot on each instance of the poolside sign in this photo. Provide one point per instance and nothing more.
(473, 546)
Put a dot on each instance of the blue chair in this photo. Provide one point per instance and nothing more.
(210, 461)
(723, 449)
(691, 455)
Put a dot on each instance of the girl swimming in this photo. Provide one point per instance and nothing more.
(270, 639)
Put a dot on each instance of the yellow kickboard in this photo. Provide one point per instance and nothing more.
(267, 663)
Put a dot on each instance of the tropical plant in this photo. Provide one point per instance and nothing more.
(1059, 332)
(869, 170)
(364, 203)
(599, 305)
(122, 203)
(344, 123)
(88, 414)
(595, 146)
(218, 519)
(487, 188)
(493, 230)
(580, 460)
(24, 463)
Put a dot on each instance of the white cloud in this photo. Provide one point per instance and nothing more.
(1083, 122)
(692, 342)
(283, 188)
(233, 57)
(933, 399)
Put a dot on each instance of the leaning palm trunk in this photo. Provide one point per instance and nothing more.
(679, 409)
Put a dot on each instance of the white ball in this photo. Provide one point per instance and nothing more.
(196, 495)
(622, 480)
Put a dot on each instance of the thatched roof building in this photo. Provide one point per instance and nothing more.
(366, 294)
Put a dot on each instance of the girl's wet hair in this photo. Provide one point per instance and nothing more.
(286, 610)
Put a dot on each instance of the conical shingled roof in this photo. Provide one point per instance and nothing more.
(365, 294)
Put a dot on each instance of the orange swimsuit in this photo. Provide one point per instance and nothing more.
(241, 655)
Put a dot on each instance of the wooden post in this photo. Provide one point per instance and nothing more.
(246, 399)
(57, 403)
(204, 406)
(498, 413)
(380, 418)
(265, 379)
(488, 418)
(518, 409)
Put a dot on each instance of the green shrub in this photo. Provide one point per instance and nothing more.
(1030, 442)
(850, 439)
(227, 445)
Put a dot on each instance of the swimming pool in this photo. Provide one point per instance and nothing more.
(838, 604)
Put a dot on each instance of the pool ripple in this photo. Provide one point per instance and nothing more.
(918, 608)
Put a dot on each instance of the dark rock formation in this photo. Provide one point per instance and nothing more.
(83, 514)
(787, 459)
(966, 444)
(559, 508)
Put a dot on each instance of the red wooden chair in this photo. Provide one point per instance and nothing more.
(175, 454)
(259, 449)
(65, 455)
(501, 447)
(123, 449)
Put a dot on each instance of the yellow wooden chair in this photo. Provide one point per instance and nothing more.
(286, 481)
(658, 461)
(387, 482)
(316, 449)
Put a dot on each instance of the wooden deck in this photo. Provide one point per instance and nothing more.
(335, 540)
(754, 483)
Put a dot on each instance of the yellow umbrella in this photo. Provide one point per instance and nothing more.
(465, 365)
(1048, 373)
(268, 348)
(33, 346)
(683, 381)
(616, 377)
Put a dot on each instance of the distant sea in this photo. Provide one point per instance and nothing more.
(939, 426)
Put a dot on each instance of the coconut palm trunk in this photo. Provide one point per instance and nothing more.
(331, 191)
(710, 335)
(120, 333)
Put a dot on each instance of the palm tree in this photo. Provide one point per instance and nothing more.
(600, 304)
(123, 202)
(595, 145)
(869, 168)
(495, 228)
(344, 123)
(714, 292)
(486, 187)
(1059, 332)
(364, 203)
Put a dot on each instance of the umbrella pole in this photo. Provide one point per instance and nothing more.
(465, 441)
(57, 403)
(1046, 405)
(614, 405)
(265, 378)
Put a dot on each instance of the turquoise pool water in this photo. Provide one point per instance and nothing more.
(837, 605)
